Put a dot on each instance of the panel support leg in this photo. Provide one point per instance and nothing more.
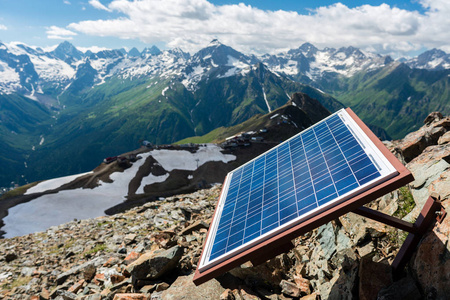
(431, 211)
(424, 221)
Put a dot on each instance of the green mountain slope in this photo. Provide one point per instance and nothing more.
(22, 123)
(395, 98)
(114, 117)
(300, 112)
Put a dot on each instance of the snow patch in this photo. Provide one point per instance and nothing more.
(265, 99)
(150, 179)
(67, 205)
(64, 206)
(185, 160)
(274, 116)
(52, 184)
(164, 91)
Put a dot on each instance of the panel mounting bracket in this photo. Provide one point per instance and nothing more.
(432, 210)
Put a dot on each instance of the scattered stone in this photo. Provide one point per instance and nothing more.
(93, 297)
(131, 257)
(86, 258)
(184, 288)
(77, 286)
(153, 265)
(227, 295)
(130, 297)
(290, 289)
(303, 284)
(194, 227)
(313, 296)
(10, 257)
(66, 295)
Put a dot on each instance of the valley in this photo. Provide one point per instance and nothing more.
(63, 111)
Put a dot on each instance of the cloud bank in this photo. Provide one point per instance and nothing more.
(191, 24)
(58, 33)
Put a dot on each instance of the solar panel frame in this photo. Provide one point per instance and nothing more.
(398, 176)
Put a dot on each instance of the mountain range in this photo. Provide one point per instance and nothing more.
(62, 111)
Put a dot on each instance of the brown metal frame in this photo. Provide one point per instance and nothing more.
(432, 210)
(282, 242)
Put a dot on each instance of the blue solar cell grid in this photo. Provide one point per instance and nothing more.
(302, 174)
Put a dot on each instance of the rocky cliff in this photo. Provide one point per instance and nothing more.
(151, 251)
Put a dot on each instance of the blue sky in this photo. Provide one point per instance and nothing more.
(399, 28)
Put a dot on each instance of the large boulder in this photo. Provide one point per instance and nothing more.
(415, 142)
(427, 169)
(155, 264)
(184, 288)
(431, 263)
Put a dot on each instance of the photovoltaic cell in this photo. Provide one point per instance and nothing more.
(316, 169)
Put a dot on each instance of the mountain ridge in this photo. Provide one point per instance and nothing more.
(115, 99)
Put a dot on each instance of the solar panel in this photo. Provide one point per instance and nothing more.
(302, 177)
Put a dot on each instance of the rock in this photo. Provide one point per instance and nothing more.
(372, 278)
(290, 289)
(444, 139)
(327, 240)
(366, 249)
(361, 229)
(129, 238)
(162, 286)
(130, 297)
(247, 294)
(427, 168)
(270, 272)
(44, 294)
(303, 284)
(184, 288)
(89, 272)
(404, 289)
(309, 297)
(194, 227)
(77, 286)
(433, 117)
(153, 265)
(10, 257)
(66, 295)
(131, 257)
(75, 270)
(227, 295)
(93, 297)
(431, 263)
(415, 142)
(344, 283)
(441, 186)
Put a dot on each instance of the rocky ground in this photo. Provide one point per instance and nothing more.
(151, 251)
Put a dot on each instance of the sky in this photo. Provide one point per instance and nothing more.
(400, 28)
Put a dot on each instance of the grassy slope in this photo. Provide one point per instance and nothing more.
(22, 121)
(396, 97)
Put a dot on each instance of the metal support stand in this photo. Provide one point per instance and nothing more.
(431, 211)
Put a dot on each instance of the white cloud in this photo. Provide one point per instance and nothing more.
(58, 33)
(67, 2)
(98, 5)
(93, 49)
(3, 27)
(191, 24)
